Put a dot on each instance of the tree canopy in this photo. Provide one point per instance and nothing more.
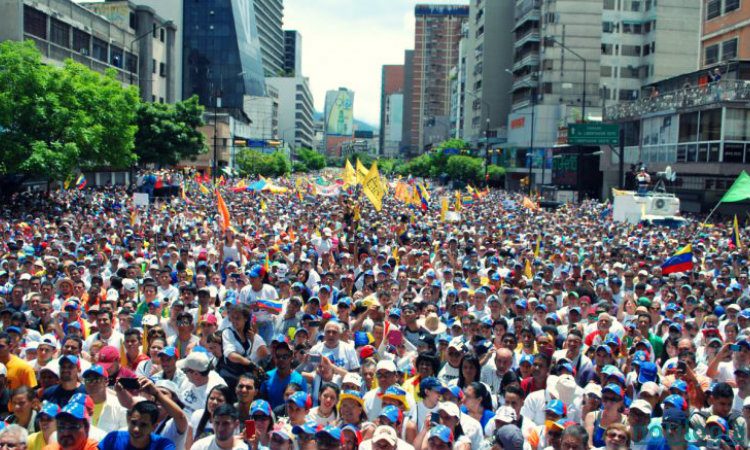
(252, 162)
(168, 133)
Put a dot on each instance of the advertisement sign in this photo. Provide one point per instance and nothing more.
(340, 119)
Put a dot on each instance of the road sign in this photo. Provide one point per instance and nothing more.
(593, 134)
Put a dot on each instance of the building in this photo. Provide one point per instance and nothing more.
(292, 53)
(406, 124)
(269, 15)
(225, 137)
(573, 57)
(62, 29)
(725, 32)
(436, 44)
(701, 129)
(155, 38)
(363, 142)
(338, 119)
(296, 110)
(222, 54)
(263, 112)
(485, 71)
(391, 109)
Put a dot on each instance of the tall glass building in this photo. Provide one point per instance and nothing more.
(221, 52)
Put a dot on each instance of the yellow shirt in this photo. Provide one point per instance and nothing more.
(36, 441)
(98, 407)
(20, 373)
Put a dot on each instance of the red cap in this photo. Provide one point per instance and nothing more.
(108, 355)
(209, 319)
(366, 351)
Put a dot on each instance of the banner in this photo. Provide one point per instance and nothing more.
(373, 188)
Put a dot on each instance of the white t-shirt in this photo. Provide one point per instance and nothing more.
(249, 296)
(231, 345)
(343, 355)
(194, 397)
(209, 443)
(116, 340)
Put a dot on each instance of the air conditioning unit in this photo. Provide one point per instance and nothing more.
(663, 206)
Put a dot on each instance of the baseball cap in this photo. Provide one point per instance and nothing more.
(95, 371)
(75, 409)
(332, 432)
(647, 372)
(557, 407)
(107, 356)
(674, 415)
(642, 406)
(449, 408)
(391, 413)
(300, 399)
(197, 361)
(260, 406)
(170, 352)
(441, 432)
(50, 409)
(386, 364)
(679, 385)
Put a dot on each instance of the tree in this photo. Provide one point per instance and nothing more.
(53, 120)
(252, 162)
(312, 159)
(496, 175)
(453, 143)
(465, 168)
(168, 133)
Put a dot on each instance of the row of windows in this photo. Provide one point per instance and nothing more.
(716, 8)
(629, 5)
(629, 27)
(722, 51)
(634, 72)
(628, 50)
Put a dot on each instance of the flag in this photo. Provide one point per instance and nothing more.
(68, 181)
(538, 245)
(133, 216)
(682, 261)
(263, 205)
(204, 189)
(373, 188)
(81, 182)
(271, 306)
(740, 189)
(473, 192)
(267, 264)
(421, 192)
(394, 253)
(529, 204)
(467, 200)
(527, 272)
(292, 237)
(458, 201)
(736, 234)
(361, 172)
(223, 210)
(350, 175)
(241, 184)
(443, 208)
(123, 355)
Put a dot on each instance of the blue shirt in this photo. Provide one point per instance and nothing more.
(661, 443)
(273, 388)
(120, 440)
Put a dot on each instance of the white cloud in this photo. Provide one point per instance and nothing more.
(346, 43)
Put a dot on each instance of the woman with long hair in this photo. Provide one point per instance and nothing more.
(325, 413)
(260, 411)
(352, 412)
(596, 422)
(200, 421)
(477, 403)
(241, 343)
(469, 370)
(152, 365)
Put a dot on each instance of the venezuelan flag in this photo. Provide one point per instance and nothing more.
(81, 182)
(422, 193)
(271, 306)
(682, 261)
(736, 234)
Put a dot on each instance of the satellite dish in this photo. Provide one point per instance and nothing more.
(669, 174)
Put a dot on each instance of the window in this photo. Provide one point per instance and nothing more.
(607, 49)
(729, 49)
(737, 125)
(162, 70)
(733, 152)
(646, 50)
(688, 127)
(153, 66)
(648, 5)
(710, 127)
(609, 5)
(713, 9)
(731, 5)
(115, 56)
(99, 50)
(714, 150)
(628, 95)
(605, 71)
(635, 6)
(132, 22)
(153, 98)
(162, 34)
(631, 50)
(81, 42)
(34, 22)
(131, 62)
(629, 72)
(59, 33)
(161, 100)
(608, 27)
(711, 55)
(153, 30)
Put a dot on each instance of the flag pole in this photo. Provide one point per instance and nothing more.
(710, 214)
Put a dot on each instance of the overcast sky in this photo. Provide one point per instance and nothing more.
(346, 42)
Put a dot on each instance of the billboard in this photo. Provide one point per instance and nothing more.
(340, 113)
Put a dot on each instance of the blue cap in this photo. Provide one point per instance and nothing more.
(309, 427)
(526, 359)
(331, 431)
(361, 338)
(445, 337)
(557, 407)
(675, 415)
(299, 398)
(75, 409)
(522, 303)
(325, 287)
(391, 413)
(431, 383)
(345, 301)
(70, 358)
(155, 303)
(615, 389)
(255, 271)
(50, 409)
(13, 329)
(639, 357)
(679, 385)
(454, 391)
(675, 401)
(541, 306)
(441, 432)
(95, 370)
(647, 372)
(396, 312)
(170, 352)
(604, 347)
(260, 406)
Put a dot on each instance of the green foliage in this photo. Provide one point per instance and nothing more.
(312, 159)
(299, 167)
(252, 162)
(54, 119)
(168, 133)
(496, 175)
(465, 168)
(458, 144)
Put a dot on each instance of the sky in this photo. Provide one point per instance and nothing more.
(345, 43)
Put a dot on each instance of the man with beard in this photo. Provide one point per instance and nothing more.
(225, 421)
(69, 385)
(142, 419)
(73, 429)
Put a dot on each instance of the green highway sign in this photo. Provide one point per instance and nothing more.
(593, 134)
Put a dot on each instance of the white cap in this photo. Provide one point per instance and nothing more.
(24, 277)
(51, 340)
(386, 364)
(746, 402)
(352, 378)
(642, 406)
(593, 388)
(129, 284)
(651, 388)
(150, 320)
(385, 433)
(506, 414)
(449, 408)
(197, 361)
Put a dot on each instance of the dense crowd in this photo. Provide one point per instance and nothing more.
(317, 322)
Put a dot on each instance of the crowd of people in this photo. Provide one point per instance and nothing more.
(317, 322)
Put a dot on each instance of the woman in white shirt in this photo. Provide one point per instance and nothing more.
(325, 413)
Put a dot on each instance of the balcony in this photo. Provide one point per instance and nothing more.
(531, 59)
(692, 97)
(527, 81)
(530, 36)
(525, 7)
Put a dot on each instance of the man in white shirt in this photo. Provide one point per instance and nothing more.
(106, 333)
(254, 292)
(200, 380)
(341, 354)
(225, 422)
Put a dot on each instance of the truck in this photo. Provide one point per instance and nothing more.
(651, 208)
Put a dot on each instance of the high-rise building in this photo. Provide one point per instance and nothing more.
(155, 39)
(436, 43)
(296, 110)
(338, 119)
(408, 104)
(623, 45)
(269, 15)
(391, 109)
(292, 53)
(725, 32)
(222, 53)
(488, 59)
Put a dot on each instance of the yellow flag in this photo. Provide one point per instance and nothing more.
(538, 244)
(263, 205)
(458, 201)
(361, 172)
(204, 189)
(133, 216)
(443, 208)
(373, 188)
(395, 253)
(350, 175)
(527, 272)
